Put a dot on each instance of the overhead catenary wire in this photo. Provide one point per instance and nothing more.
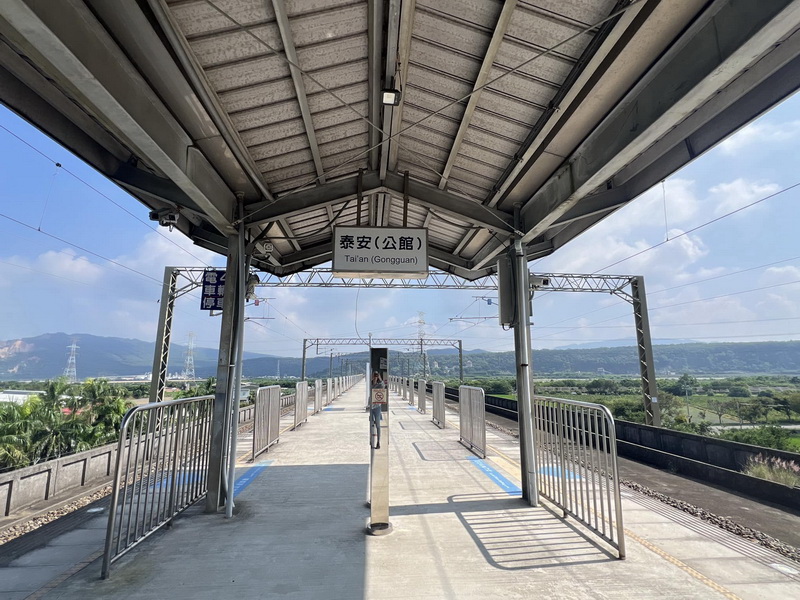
(60, 166)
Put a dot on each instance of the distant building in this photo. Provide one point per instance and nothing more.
(18, 396)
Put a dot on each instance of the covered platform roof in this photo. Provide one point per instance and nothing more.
(532, 118)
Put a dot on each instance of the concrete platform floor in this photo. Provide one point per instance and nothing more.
(298, 532)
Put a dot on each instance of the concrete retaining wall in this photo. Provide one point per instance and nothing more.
(710, 460)
(59, 478)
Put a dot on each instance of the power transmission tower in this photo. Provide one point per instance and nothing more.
(188, 363)
(71, 373)
(421, 332)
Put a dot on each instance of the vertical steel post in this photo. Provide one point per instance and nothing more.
(461, 362)
(521, 294)
(216, 465)
(161, 352)
(241, 292)
(644, 345)
(303, 364)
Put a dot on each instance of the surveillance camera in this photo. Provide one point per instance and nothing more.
(166, 217)
(538, 282)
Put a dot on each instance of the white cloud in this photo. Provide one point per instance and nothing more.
(739, 193)
(760, 132)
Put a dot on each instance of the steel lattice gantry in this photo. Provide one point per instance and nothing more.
(370, 341)
(255, 126)
(629, 288)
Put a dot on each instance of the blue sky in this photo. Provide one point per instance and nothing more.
(79, 255)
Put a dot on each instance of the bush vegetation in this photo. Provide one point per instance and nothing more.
(65, 419)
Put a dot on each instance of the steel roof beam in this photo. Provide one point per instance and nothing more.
(740, 32)
(407, 11)
(299, 86)
(321, 196)
(392, 41)
(347, 189)
(598, 56)
(93, 70)
(208, 97)
(375, 78)
(677, 86)
(458, 206)
(477, 89)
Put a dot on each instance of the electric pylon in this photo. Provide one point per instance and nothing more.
(71, 373)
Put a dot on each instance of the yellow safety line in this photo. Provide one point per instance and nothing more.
(652, 547)
(682, 566)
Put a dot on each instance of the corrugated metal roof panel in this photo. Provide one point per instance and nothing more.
(424, 77)
(528, 58)
(200, 17)
(266, 115)
(417, 170)
(520, 90)
(465, 188)
(278, 147)
(284, 160)
(345, 129)
(332, 53)
(458, 35)
(346, 73)
(481, 138)
(479, 167)
(344, 143)
(482, 13)
(585, 12)
(444, 59)
(340, 114)
(222, 49)
(296, 173)
(332, 23)
(254, 96)
(345, 162)
(247, 73)
(460, 176)
(511, 107)
(301, 7)
(263, 135)
(445, 126)
(508, 129)
(489, 156)
(548, 30)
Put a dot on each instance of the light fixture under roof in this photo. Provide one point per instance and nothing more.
(390, 97)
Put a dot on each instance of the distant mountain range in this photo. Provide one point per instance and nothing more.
(46, 356)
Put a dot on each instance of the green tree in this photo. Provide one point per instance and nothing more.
(720, 407)
(607, 387)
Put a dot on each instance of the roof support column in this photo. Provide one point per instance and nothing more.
(220, 424)
(518, 287)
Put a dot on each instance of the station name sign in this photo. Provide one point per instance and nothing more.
(397, 252)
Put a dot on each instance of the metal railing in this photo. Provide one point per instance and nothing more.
(577, 464)
(472, 419)
(422, 398)
(267, 418)
(317, 396)
(300, 403)
(162, 461)
(437, 388)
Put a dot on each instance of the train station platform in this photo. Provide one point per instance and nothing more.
(460, 531)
